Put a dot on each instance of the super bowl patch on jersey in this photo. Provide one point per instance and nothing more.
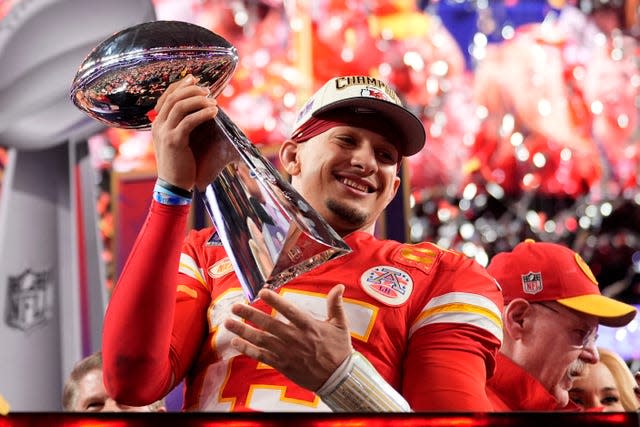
(387, 284)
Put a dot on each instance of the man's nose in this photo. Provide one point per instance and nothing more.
(590, 353)
(364, 157)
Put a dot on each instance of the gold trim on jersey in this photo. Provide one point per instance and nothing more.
(422, 255)
(189, 267)
(187, 290)
(461, 307)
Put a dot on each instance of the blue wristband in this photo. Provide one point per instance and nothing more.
(164, 190)
(170, 199)
(172, 189)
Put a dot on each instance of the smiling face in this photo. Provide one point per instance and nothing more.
(348, 175)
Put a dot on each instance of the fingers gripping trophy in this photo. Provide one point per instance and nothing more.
(268, 242)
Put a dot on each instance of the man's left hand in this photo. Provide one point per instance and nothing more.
(306, 350)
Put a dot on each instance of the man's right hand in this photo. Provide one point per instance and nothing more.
(188, 149)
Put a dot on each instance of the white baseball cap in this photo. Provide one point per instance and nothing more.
(365, 94)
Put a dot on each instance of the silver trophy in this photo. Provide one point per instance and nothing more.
(269, 231)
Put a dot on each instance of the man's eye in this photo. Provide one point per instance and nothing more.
(387, 157)
(581, 336)
(94, 406)
(347, 140)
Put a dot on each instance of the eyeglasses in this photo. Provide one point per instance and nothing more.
(582, 338)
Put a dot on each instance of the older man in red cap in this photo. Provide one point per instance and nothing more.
(553, 307)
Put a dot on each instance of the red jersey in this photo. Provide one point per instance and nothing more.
(514, 389)
(427, 318)
(393, 292)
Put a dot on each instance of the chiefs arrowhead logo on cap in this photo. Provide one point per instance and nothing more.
(585, 269)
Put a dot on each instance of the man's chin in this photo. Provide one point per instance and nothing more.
(561, 391)
(347, 215)
(562, 394)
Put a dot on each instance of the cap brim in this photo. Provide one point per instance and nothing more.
(408, 124)
(609, 311)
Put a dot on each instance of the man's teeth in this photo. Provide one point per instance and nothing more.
(355, 185)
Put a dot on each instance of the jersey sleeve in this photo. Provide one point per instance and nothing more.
(446, 369)
(193, 296)
(140, 343)
(455, 333)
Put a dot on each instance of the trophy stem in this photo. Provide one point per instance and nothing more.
(270, 233)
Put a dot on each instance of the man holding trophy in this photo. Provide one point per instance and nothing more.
(289, 303)
(427, 319)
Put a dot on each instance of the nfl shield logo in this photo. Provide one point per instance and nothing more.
(28, 300)
(531, 283)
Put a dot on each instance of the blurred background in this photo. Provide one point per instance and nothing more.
(531, 109)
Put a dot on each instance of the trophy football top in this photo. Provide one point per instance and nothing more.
(121, 79)
(119, 83)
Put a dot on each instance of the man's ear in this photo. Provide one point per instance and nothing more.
(517, 318)
(396, 184)
(289, 157)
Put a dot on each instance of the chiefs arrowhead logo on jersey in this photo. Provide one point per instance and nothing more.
(220, 268)
(389, 285)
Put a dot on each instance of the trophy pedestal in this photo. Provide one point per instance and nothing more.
(51, 275)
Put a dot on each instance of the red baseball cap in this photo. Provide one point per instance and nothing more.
(539, 271)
